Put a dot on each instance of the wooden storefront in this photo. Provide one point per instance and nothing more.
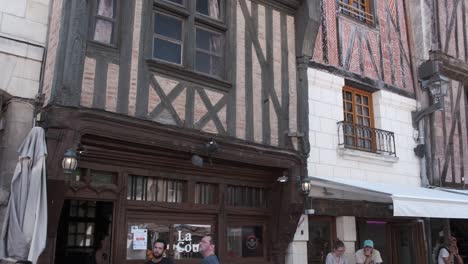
(136, 179)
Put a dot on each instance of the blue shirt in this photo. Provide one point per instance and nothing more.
(211, 259)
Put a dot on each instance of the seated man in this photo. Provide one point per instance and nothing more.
(368, 255)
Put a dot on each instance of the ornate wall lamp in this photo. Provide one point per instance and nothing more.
(433, 81)
(303, 183)
(69, 161)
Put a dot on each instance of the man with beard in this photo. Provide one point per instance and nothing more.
(159, 247)
(207, 249)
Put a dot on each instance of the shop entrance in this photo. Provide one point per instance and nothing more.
(397, 242)
(321, 236)
(406, 243)
(84, 233)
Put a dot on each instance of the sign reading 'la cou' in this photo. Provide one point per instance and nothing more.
(184, 243)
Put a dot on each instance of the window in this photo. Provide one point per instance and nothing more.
(182, 239)
(358, 119)
(167, 38)
(246, 196)
(245, 241)
(206, 193)
(104, 21)
(357, 9)
(190, 34)
(150, 189)
(81, 228)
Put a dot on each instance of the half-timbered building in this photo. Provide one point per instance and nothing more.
(184, 114)
(365, 161)
(441, 39)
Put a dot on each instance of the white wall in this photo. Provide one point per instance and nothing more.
(23, 30)
(392, 112)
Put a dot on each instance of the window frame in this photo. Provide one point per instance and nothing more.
(367, 18)
(354, 92)
(94, 17)
(191, 20)
(182, 41)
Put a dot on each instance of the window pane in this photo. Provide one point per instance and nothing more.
(182, 239)
(366, 111)
(246, 196)
(210, 8)
(106, 8)
(103, 31)
(205, 193)
(245, 241)
(359, 110)
(358, 99)
(203, 62)
(209, 41)
(168, 51)
(102, 177)
(366, 100)
(209, 64)
(71, 241)
(348, 96)
(154, 189)
(168, 26)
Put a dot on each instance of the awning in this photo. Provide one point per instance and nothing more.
(410, 201)
(457, 191)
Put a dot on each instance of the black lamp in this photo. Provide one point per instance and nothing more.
(431, 80)
(305, 186)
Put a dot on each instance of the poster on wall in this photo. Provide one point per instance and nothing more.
(140, 239)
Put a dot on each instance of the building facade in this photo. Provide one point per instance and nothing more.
(361, 93)
(23, 31)
(184, 114)
(440, 35)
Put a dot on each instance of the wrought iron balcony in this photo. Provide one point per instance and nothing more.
(365, 138)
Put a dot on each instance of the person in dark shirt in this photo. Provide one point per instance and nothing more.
(159, 247)
(207, 249)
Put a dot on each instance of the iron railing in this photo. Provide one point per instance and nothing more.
(366, 138)
(357, 13)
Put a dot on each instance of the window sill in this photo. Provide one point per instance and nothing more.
(188, 75)
(363, 156)
(107, 50)
(371, 27)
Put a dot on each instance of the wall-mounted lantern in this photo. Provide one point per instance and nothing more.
(69, 161)
(431, 80)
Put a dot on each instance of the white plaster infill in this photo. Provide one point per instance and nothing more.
(368, 157)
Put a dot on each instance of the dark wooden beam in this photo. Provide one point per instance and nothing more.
(453, 68)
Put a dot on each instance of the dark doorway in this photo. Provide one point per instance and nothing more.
(321, 235)
(84, 233)
(407, 246)
(399, 242)
(374, 230)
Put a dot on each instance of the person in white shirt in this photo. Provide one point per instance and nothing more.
(336, 257)
(449, 254)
